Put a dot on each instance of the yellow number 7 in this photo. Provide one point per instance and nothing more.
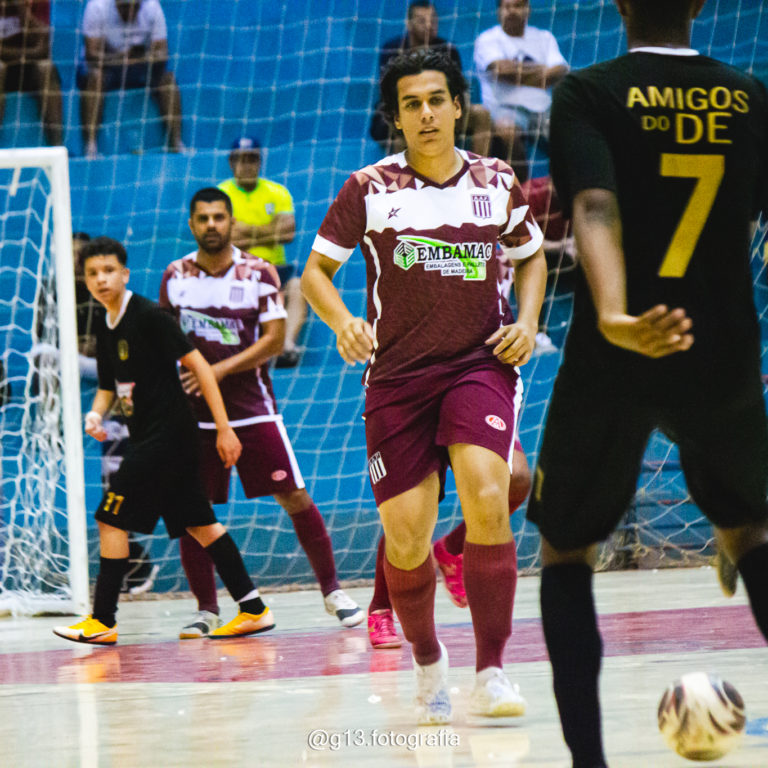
(708, 169)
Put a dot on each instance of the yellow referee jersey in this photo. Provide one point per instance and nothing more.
(259, 207)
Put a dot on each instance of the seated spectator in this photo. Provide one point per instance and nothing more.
(25, 65)
(126, 46)
(264, 222)
(421, 32)
(517, 65)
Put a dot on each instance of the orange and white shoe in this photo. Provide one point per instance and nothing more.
(89, 630)
(245, 624)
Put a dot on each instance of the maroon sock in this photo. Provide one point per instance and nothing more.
(454, 541)
(314, 539)
(490, 578)
(380, 600)
(200, 574)
(413, 597)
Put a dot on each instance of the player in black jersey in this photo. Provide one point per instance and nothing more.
(137, 350)
(661, 156)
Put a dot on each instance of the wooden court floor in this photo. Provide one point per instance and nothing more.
(313, 694)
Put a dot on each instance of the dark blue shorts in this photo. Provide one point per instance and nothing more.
(285, 272)
(133, 76)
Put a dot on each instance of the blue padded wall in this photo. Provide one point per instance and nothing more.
(302, 77)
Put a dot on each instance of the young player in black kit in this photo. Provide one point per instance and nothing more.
(661, 156)
(137, 350)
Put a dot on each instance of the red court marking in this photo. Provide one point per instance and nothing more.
(338, 652)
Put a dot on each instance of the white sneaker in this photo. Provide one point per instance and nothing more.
(495, 696)
(346, 610)
(433, 703)
(202, 624)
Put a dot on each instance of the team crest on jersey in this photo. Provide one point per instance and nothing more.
(122, 349)
(236, 294)
(376, 468)
(496, 422)
(270, 209)
(467, 260)
(224, 330)
(481, 206)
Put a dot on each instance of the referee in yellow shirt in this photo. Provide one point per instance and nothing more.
(265, 221)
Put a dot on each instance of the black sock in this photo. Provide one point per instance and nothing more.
(575, 650)
(108, 584)
(255, 606)
(231, 568)
(753, 568)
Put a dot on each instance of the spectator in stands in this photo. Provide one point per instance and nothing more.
(421, 32)
(126, 46)
(26, 65)
(264, 222)
(517, 65)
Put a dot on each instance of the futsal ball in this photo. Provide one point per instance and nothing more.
(701, 717)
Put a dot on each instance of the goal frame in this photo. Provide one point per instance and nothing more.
(54, 161)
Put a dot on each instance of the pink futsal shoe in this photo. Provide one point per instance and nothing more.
(381, 630)
(452, 568)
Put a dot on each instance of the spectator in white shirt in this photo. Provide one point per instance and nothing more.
(517, 66)
(126, 46)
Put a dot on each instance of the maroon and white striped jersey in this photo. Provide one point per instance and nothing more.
(432, 275)
(221, 315)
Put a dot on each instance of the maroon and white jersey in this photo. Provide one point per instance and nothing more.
(433, 285)
(221, 315)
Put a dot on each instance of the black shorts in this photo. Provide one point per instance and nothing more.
(593, 448)
(149, 485)
(22, 77)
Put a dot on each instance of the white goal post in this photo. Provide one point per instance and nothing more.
(43, 545)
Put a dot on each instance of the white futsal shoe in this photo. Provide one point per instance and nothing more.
(495, 696)
(433, 703)
(339, 604)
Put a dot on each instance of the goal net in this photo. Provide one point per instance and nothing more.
(43, 566)
(302, 78)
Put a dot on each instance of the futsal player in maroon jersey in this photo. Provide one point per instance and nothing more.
(441, 352)
(227, 303)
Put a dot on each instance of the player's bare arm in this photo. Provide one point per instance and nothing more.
(227, 443)
(281, 230)
(270, 343)
(102, 402)
(354, 336)
(659, 331)
(514, 344)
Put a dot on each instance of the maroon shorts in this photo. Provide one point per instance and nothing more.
(409, 426)
(266, 466)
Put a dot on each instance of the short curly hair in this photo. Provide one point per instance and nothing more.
(104, 246)
(414, 63)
